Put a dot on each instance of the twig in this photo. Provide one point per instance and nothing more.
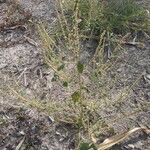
(22, 73)
(20, 144)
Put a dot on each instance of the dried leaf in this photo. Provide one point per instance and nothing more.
(94, 140)
(118, 138)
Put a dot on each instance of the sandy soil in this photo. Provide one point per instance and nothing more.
(21, 61)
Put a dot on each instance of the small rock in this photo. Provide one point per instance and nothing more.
(3, 66)
(147, 78)
(22, 132)
(131, 146)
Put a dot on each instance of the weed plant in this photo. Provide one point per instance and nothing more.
(77, 21)
(103, 21)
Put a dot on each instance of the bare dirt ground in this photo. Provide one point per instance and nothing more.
(21, 60)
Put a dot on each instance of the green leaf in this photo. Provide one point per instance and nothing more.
(76, 96)
(80, 67)
(84, 146)
(61, 67)
(55, 77)
(65, 84)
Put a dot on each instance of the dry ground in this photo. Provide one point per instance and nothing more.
(20, 52)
